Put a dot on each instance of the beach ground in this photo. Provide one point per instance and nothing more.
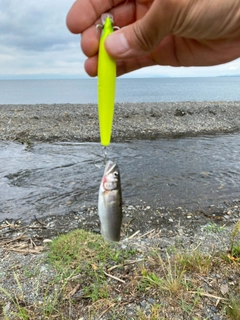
(69, 122)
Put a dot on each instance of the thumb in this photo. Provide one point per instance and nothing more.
(142, 36)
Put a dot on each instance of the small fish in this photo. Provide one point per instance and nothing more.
(110, 202)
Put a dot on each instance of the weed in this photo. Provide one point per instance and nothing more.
(234, 234)
(78, 255)
(189, 308)
(213, 227)
(236, 251)
(173, 276)
(233, 310)
(80, 247)
(92, 277)
(88, 254)
(170, 278)
(31, 272)
(21, 313)
(151, 314)
(151, 279)
(171, 250)
(97, 290)
(195, 261)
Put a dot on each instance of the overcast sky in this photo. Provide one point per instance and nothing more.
(35, 43)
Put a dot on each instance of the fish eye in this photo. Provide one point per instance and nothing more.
(115, 173)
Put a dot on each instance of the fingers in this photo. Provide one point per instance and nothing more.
(85, 13)
(123, 66)
(164, 32)
(163, 55)
(91, 66)
(81, 15)
(129, 65)
(123, 14)
(90, 41)
(142, 36)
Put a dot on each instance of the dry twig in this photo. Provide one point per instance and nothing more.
(113, 277)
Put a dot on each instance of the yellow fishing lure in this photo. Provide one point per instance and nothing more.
(106, 83)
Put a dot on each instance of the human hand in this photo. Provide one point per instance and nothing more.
(160, 32)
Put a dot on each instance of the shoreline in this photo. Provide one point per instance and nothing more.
(29, 124)
(79, 122)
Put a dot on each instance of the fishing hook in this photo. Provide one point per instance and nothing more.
(104, 158)
(99, 25)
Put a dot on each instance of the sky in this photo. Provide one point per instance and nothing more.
(36, 44)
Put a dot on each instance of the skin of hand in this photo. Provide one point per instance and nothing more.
(159, 32)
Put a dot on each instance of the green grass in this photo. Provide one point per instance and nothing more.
(194, 261)
(175, 281)
(80, 248)
(88, 254)
(213, 227)
(233, 309)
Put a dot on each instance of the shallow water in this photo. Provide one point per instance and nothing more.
(58, 178)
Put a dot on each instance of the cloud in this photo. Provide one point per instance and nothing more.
(227, 69)
(33, 25)
(234, 66)
(34, 41)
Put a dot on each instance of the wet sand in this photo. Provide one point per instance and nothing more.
(71, 122)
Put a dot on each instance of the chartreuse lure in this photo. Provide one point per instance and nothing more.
(106, 83)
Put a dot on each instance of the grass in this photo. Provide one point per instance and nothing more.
(170, 278)
(87, 254)
(234, 235)
(17, 301)
(153, 313)
(195, 261)
(96, 279)
(213, 227)
(80, 247)
(233, 309)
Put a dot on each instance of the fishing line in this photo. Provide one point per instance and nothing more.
(105, 158)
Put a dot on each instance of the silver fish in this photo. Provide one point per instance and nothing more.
(110, 202)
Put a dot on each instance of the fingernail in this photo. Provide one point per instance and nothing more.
(116, 43)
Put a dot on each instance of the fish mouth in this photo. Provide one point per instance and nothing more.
(110, 166)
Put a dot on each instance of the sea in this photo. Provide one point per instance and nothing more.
(82, 91)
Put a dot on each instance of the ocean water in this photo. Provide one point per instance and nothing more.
(127, 90)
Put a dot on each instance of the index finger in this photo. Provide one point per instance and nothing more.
(84, 13)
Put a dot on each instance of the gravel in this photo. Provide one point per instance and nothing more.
(207, 232)
(72, 122)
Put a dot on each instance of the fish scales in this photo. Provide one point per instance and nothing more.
(110, 202)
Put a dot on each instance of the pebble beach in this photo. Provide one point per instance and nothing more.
(72, 122)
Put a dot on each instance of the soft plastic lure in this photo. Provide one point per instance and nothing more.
(106, 83)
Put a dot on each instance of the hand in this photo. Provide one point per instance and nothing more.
(160, 32)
